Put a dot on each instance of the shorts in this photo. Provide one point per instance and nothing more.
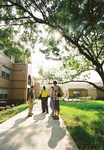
(56, 105)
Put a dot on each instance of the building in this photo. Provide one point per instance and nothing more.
(77, 89)
(95, 92)
(37, 89)
(15, 79)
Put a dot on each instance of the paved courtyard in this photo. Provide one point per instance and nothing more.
(39, 132)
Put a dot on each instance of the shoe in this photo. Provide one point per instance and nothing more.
(53, 116)
(56, 118)
(43, 111)
(29, 115)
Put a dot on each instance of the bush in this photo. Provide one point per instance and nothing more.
(2, 108)
(12, 105)
(87, 98)
(61, 98)
(7, 107)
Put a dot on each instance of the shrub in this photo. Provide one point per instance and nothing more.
(7, 107)
(87, 98)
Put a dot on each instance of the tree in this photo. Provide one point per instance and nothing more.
(9, 47)
(50, 75)
(80, 23)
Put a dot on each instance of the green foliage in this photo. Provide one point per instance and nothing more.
(84, 122)
(50, 75)
(9, 47)
(87, 98)
(10, 112)
(80, 23)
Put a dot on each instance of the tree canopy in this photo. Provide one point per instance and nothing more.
(80, 23)
(10, 47)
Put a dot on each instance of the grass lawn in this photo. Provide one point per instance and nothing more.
(85, 123)
(8, 113)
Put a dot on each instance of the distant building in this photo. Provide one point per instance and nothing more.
(94, 91)
(15, 79)
(37, 89)
(77, 89)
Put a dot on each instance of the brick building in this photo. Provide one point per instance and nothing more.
(77, 90)
(15, 79)
(83, 90)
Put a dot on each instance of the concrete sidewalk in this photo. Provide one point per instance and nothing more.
(39, 132)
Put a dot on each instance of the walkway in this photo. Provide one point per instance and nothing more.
(39, 132)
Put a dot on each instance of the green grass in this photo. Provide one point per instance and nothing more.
(8, 113)
(85, 123)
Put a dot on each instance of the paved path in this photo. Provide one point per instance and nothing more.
(39, 132)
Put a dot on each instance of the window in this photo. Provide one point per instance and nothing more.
(5, 72)
(10, 57)
(76, 93)
(3, 93)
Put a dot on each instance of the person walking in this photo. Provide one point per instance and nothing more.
(56, 101)
(44, 99)
(52, 94)
(31, 101)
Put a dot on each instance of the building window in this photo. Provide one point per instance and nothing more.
(76, 93)
(5, 72)
(10, 57)
(29, 80)
(3, 94)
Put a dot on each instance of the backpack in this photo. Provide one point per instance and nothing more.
(60, 92)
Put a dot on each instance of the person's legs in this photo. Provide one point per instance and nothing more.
(46, 104)
(52, 105)
(58, 113)
(55, 112)
(43, 105)
(57, 109)
(30, 108)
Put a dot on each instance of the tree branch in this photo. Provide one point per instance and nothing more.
(94, 85)
(87, 50)
(42, 12)
(22, 8)
(1, 6)
(15, 24)
(100, 52)
(17, 18)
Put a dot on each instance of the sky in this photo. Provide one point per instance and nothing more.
(38, 59)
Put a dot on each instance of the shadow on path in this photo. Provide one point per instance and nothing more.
(19, 121)
(57, 133)
(39, 117)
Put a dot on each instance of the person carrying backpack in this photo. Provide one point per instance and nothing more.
(56, 101)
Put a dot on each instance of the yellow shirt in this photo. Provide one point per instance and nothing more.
(44, 93)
